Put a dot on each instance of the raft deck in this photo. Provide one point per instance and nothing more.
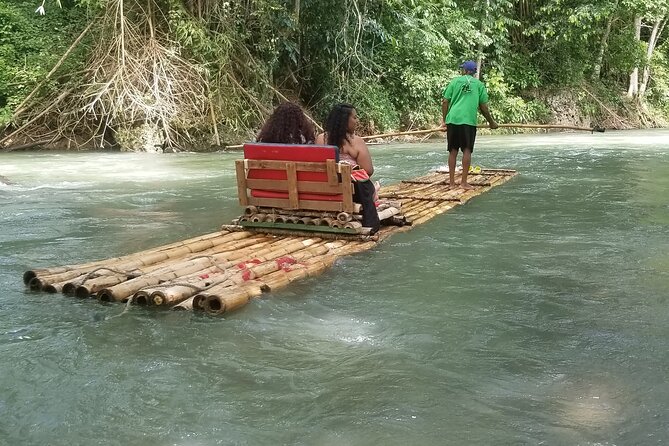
(222, 271)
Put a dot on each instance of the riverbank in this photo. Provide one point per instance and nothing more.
(568, 108)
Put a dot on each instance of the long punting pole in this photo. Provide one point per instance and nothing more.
(482, 126)
(485, 126)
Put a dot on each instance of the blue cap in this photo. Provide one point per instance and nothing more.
(469, 66)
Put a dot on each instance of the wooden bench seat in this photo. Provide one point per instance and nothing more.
(294, 177)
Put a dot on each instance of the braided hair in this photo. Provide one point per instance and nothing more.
(287, 125)
(336, 125)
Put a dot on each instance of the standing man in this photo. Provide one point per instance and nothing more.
(462, 99)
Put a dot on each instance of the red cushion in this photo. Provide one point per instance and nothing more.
(259, 193)
(289, 152)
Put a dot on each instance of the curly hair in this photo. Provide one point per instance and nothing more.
(287, 125)
(336, 125)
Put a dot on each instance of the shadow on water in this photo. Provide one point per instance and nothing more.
(534, 314)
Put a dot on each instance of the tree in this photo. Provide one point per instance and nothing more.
(648, 16)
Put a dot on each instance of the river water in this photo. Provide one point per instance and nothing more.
(535, 314)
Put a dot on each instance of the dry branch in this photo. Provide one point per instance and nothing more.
(20, 108)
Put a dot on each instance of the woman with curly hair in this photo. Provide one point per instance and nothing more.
(340, 131)
(287, 125)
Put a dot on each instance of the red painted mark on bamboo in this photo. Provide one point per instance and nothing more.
(245, 264)
(285, 262)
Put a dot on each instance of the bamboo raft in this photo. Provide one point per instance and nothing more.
(220, 272)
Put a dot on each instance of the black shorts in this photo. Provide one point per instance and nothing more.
(460, 136)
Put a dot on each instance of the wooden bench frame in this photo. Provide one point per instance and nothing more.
(333, 186)
(301, 189)
(296, 189)
(336, 182)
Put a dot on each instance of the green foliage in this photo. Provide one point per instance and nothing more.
(625, 53)
(390, 58)
(508, 107)
(92, 5)
(521, 71)
(375, 106)
(17, 37)
(659, 91)
(30, 45)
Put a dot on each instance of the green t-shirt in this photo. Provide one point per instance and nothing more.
(464, 95)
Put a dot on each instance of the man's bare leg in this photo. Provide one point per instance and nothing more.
(452, 158)
(466, 162)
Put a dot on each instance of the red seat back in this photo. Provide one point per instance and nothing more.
(289, 152)
(294, 176)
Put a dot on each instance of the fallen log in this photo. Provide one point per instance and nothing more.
(28, 145)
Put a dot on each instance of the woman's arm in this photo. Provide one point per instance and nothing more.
(320, 139)
(363, 157)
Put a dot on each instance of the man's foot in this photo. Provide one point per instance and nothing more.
(452, 185)
(466, 186)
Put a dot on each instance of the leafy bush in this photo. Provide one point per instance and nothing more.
(31, 44)
(372, 102)
(658, 94)
(508, 107)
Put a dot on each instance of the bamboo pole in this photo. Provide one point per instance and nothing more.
(175, 269)
(387, 213)
(141, 298)
(481, 126)
(186, 305)
(190, 285)
(187, 286)
(169, 296)
(219, 301)
(408, 205)
(260, 272)
(77, 268)
(206, 299)
(198, 302)
(546, 126)
(124, 290)
(53, 288)
(229, 302)
(281, 279)
(405, 133)
(485, 126)
(430, 213)
(94, 285)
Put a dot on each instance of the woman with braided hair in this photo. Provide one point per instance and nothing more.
(340, 131)
(287, 125)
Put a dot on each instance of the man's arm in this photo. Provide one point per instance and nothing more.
(444, 111)
(488, 116)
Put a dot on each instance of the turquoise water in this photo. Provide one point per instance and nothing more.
(535, 314)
